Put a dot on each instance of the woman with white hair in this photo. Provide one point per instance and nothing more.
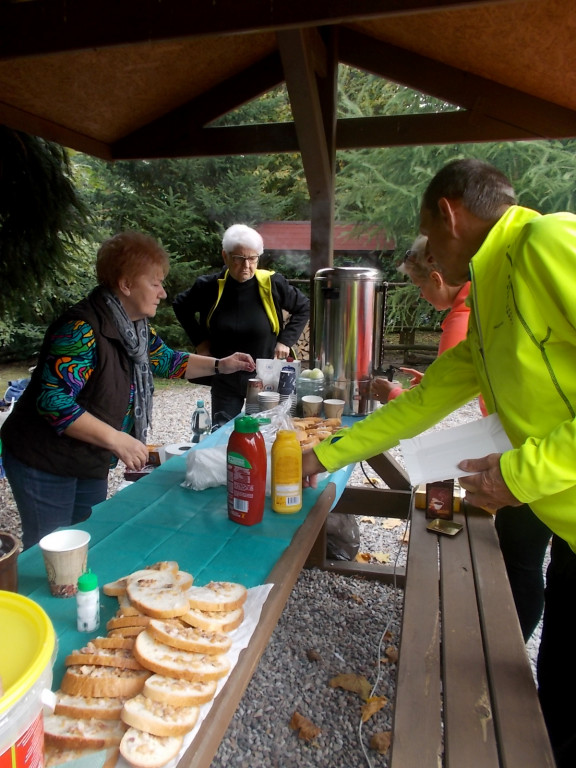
(241, 307)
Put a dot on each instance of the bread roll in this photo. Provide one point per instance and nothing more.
(177, 635)
(173, 662)
(179, 693)
(158, 718)
(144, 750)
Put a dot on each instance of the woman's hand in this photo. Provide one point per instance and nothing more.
(239, 361)
(96, 432)
(281, 351)
(417, 376)
(381, 389)
(131, 451)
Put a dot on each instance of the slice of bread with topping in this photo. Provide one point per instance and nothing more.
(105, 657)
(218, 596)
(179, 693)
(178, 635)
(157, 594)
(158, 718)
(214, 621)
(101, 708)
(173, 662)
(75, 733)
(144, 750)
(96, 680)
(113, 642)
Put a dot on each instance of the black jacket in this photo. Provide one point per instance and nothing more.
(29, 436)
(201, 298)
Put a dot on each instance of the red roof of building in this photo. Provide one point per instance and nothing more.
(295, 236)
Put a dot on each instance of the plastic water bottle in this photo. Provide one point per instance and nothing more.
(200, 422)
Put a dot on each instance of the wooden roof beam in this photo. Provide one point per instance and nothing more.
(181, 126)
(521, 111)
(52, 26)
(351, 133)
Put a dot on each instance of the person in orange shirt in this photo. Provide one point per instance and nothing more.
(427, 276)
(523, 537)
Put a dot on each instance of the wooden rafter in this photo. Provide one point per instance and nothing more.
(51, 26)
(518, 110)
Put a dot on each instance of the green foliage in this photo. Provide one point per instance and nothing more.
(48, 243)
(42, 219)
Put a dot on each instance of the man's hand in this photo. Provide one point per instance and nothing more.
(486, 488)
(310, 469)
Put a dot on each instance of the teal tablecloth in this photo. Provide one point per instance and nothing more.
(155, 519)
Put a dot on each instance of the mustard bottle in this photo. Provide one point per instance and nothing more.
(286, 463)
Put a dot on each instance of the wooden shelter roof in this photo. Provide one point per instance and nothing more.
(147, 78)
(135, 78)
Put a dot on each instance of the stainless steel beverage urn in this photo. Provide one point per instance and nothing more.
(347, 333)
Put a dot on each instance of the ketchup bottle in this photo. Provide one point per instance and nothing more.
(246, 472)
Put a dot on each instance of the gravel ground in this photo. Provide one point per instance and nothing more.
(331, 625)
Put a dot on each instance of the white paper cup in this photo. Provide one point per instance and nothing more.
(65, 557)
(267, 400)
(333, 409)
(311, 405)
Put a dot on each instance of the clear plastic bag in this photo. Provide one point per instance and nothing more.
(206, 467)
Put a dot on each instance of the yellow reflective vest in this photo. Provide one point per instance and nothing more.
(520, 354)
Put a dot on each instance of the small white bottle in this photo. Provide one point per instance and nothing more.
(88, 603)
(200, 426)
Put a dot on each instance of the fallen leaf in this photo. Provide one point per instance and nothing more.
(362, 557)
(313, 655)
(306, 728)
(351, 682)
(373, 705)
(406, 537)
(381, 741)
(381, 557)
(367, 519)
(357, 599)
(391, 522)
(392, 653)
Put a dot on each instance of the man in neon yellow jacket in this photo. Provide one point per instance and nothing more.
(520, 354)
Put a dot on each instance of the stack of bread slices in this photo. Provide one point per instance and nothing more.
(139, 689)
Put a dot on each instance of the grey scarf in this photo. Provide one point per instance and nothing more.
(135, 338)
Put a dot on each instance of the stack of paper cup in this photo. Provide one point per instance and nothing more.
(252, 390)
(267, 400)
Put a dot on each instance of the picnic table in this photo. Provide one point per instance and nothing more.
(157, 519)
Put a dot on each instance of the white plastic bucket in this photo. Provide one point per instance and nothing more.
(27, 650)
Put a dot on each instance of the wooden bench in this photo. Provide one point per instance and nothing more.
(465, 693)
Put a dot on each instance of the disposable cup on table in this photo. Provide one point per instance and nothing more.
(312, 405)
(334, 408)
(65, 555)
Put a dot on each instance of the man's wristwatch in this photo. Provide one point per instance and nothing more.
(216, 364)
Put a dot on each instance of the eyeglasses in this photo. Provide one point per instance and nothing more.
(241, 259)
